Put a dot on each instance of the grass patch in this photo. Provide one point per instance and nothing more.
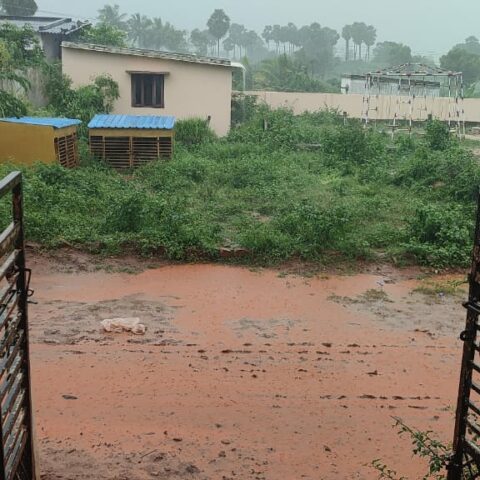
(355, 199)
(455, 288)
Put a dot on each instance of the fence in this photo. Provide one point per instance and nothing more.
(352, 104)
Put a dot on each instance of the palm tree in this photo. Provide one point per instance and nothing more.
(237, 33)
(292, 35)
(347, 36)
(229, 46)
(157, 33)
(370, 39)
(110, 14)
(267, 35)
(277, 36)
(358, 30)
(200, 40)
(140, 30)
(218, 25)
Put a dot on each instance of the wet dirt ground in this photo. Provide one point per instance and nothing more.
(242, 374)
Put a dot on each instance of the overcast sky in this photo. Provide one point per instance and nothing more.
(428, 26)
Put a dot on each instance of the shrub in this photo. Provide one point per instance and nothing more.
(440, 235)
(453, 173)
(351, 144)
(437, 135)
(193, 132)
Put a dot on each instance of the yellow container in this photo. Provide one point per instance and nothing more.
(28, 140)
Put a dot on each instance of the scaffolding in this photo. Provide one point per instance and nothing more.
(414, 89)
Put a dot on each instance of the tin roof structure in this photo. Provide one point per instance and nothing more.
(45, 25)
(413, 70)
(144, 122)
(56, 123)
(141, 52)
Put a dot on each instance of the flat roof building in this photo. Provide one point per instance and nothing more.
(157, 83)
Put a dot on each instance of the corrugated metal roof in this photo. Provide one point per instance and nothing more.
(49, 25)
(147, 122)
(141, 52)
(56, 123)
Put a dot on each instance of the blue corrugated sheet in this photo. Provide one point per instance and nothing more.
(56, 123)
(146, 122)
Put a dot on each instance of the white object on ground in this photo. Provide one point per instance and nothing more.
(119, 325)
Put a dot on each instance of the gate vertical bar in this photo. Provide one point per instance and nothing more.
(469, 336)
(22, 289)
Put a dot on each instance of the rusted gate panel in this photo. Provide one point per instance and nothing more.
(16, 445)
(465, 463)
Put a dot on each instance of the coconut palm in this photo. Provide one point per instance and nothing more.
(370, 39)
(267, 35)
(110, 15)
(347, 36)
(218, 25)
(140, 30)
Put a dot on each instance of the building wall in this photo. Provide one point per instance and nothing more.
(191, 90)
(26, 144)
(353, 105)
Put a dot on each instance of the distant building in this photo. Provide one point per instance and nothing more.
(383, 85)
(157, 83)
(51, 31)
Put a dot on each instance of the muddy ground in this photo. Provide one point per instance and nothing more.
(242, 374)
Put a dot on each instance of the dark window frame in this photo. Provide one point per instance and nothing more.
(139, 80)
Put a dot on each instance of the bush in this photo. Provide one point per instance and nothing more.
(437, 135)
(258, 189)
(453, 173)
(440, 235)
(193, 132)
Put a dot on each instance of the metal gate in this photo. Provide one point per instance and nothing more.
(465, 462)
(16, 429)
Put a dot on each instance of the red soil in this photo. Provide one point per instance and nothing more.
(242, 374)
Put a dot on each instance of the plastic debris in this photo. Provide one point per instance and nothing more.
(120, 325)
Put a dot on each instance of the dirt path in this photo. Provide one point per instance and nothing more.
(241, 375)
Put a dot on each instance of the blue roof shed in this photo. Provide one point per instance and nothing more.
(143, 122)
(128, 141)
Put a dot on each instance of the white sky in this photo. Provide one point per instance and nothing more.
(430, 27)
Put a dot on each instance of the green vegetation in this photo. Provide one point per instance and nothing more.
(426, 446)
(19, 51)
(82, 103)
(261, 189)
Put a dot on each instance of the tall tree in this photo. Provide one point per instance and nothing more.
(277, 37)
(370, 39)
(201, 40)
(267, 35)
(218, 25)
(390, 54)
(237, 33)
(317, 44)
(110, 15)
(19, 7)
(174, 39)
(359, 30)
(104, 34)
(471, 45)
(158, 36)
(459, 60)
(140, 30)
(347, 36)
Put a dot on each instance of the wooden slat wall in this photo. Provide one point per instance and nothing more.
(66, 150)
(130, 152)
